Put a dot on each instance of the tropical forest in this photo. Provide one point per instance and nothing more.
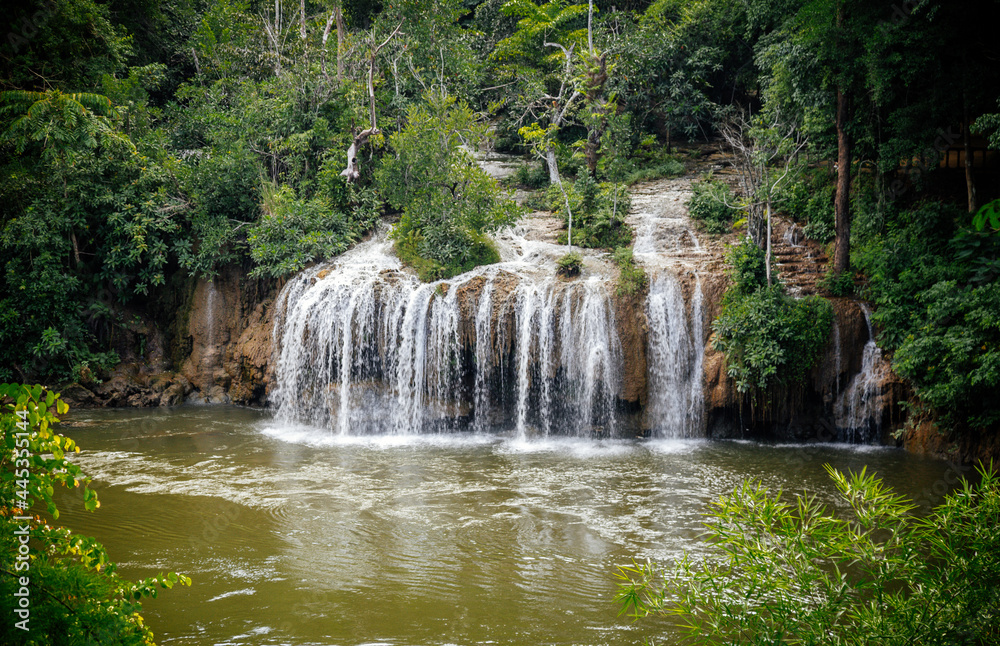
(512, 322)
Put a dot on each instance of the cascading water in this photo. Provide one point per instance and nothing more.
(364, 348)
(676, 358)
(858, 409)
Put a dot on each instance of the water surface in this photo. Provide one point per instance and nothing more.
(296, 536)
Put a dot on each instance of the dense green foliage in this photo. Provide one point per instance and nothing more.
(769, 339)
(61, 585)
(870, 571)
(448, 202)
(933, 279)
(709, 204)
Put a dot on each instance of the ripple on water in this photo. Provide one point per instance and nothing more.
(419, 539)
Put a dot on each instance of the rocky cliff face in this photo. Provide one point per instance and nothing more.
(225, 337)
(227, 326)
(213, 346)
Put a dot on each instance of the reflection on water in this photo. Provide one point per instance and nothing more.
(294, 536)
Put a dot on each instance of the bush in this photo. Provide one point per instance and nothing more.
(599, 211)
(76, 596)
(810, 200)
(796, 573)
(570, 265)
(651, 161)
(449, 204)
(770, 339)
(841, 284)
(531, 176)
(708, 206)
(293, 233)
(747, 267)
(632, 278)
(668, 168)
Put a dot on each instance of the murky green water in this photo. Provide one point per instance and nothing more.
(294, 537)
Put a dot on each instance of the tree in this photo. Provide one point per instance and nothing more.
(793, 572)
(759, 145)
(547, 79)
(449, 203)
(823, 53)
(73, 592)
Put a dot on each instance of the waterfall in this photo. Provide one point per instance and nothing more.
(676, 358)
(362, 347)
(365, 348)
(858, 410)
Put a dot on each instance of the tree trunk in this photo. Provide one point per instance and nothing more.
(767, 255)
(597, 77)
(352, 172)
(326, 35)
(842, 205)
(590, 26)
(553, 166)
(302, 19)
(970, 180)
(339, 13)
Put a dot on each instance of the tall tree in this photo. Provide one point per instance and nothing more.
(819, 62)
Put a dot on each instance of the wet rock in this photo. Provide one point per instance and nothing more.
(218, 395)
(630, 319)
(173, 395)
(77, 396)
(182, 381)
(143, 399)
(160, 382)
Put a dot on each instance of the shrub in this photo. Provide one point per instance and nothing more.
(632, 278)
(708, 206)
(747, 267)
(531, 176)
(769, 338)
(570, 265)
(293, 233)
(599, 211)
(841, 284)
(668, 168)
(76, 595)
(794, 572)
(449, 204)
(810, 200)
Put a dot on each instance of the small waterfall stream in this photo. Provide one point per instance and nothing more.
(858, 408)
(676, 358)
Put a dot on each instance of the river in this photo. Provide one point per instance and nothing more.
(296, 535)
